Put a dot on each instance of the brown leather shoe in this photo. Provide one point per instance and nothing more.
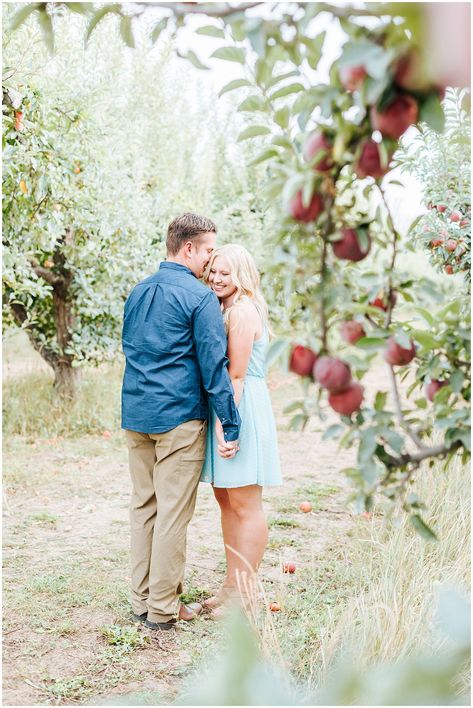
(190, 611)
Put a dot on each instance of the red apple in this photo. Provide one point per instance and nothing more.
(409, 73)
(289, 568)
(274, 607)
(351, 331)
(436, 243)
(348, 248)
(348, 401)
(369, 162)
(305, 506)
(314, 144)
(332, 374)
(448, 269)
(455, 216)
(302, 360)
(441, 208)
(451, 245)
(352, 77)
(396, 118)
(463, 223)
(106, 434)
(396, 355)
(19, 121)
(381, 301)
(432, 388)
(299, 212)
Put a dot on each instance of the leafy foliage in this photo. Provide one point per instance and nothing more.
(440, 162)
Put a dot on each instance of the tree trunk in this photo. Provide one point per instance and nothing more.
(66, 378)
(65, 375)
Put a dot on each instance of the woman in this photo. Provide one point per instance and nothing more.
(238, 482)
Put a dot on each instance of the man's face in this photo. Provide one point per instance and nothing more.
(201, 251)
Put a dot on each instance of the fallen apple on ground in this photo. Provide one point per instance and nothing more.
(305, 506)
(289, 568)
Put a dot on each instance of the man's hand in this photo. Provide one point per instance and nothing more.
(226, 449)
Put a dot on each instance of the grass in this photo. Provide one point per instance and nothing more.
(371, 592)
(374, 598)
(31, 409)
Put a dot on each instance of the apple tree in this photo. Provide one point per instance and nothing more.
(327, 128)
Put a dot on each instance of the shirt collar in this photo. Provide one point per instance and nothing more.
(170, 265)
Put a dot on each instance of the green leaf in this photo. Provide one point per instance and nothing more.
(253, 103)
(428, 317)
(333, 431)
(230, 54)
(281, 117)
(286, 91)
(421, 403)
(427, 340)
(456, 381)
(23, 14)
(253, 131)
(126, 31)
(236, 83)
(99, 15)
(82, 8)
(162, 24)
(296, 405)
(431, 112)
(265, 155)
(211, 31)
(281, 77)
(46, 25)
(422, 528)
(276, 350)
(402, 338)
(394, 440)
(194, 60)
(367, 445)
(380, 400)
(370, 343)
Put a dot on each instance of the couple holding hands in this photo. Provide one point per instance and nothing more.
(195, 407)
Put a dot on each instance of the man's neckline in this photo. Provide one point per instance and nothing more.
(176, 266)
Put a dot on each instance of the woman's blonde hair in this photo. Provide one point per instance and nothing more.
(244, 275)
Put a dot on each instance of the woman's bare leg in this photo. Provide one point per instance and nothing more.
(229, 523)
(251, 532)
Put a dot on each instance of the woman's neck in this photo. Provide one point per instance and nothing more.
(228, 301)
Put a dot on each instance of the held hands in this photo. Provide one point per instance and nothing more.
(226, 449)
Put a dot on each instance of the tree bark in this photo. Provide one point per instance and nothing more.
(65, 375)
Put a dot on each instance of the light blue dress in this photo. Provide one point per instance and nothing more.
(257, 461)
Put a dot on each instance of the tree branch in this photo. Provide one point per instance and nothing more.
(181, 9)
(397, 405)
(46, 274)
(21, 318)
(417, 457)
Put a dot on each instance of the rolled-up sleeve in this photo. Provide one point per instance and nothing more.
(211, 345)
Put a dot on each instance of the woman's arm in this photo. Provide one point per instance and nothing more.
(244, 325)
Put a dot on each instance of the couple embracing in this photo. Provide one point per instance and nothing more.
(195, 407)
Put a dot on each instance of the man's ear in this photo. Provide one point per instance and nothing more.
(188, 247)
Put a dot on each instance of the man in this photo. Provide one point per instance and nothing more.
(175, 347)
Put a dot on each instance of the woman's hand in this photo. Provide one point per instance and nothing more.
(226, 449)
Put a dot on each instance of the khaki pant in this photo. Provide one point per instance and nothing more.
(165, 470)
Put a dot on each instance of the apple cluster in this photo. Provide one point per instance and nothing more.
(447, 245)
(345, 396)
(391, 116)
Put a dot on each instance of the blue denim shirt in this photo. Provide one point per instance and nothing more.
(175, 347)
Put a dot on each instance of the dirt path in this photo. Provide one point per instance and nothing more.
(67, 638)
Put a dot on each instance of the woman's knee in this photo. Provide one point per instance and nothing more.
(245, 502)
(221, 495)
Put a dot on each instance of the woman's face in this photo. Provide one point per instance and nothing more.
(220, 278)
